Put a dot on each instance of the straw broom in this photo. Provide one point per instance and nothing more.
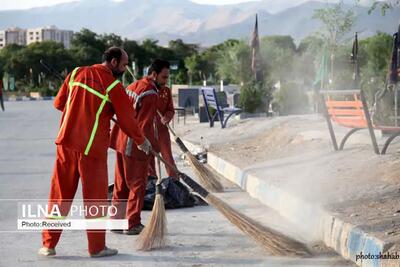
(153, 235)
(271, 240)
(207, 178)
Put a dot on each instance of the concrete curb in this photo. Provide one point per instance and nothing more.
(347, 239)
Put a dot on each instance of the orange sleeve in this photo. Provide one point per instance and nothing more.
(62, 95)
(124, 111)
(146, 115)
(170, 111)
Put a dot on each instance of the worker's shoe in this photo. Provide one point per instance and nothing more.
(135, 230)
(47, 251)
(106, 252)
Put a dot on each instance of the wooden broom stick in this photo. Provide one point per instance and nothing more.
(271, 240)
(207, 178)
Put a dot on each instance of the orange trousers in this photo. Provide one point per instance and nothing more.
(130, 186)
(164, 142)
(69, 166)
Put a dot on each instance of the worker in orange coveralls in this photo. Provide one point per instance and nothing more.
(132, 165)
(165, 107)
(88, 99)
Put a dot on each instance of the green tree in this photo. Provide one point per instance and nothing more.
(193, 65)
(384, 5)
(337, 22)
(9, 55)
(290, 99)
(278, 53)
(375, 54)
(307, 59)
(182, 50)
(255, 96)
(136, 54)
(87, 47)
(204, 65)
(111, 40)
(23, 63)
(233, 63)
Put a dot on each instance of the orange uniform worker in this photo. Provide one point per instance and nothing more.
(165, 106)
(132, 166)
(88, 99)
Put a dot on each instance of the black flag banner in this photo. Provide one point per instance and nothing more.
(394, 72)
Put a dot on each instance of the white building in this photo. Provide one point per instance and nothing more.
(49, 34)
(26, 37)
(2, 39)
(12, 36)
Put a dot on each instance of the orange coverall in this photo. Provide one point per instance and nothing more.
(132, 165)
(88, 99)
(165, 106)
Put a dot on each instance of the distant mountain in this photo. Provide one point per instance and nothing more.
(204, 24)
(296, 22)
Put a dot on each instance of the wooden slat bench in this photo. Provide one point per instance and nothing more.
(351, 110)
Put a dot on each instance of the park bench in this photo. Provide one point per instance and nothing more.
(211, 101)
(349, 108)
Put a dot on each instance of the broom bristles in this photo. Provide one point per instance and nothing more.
(207, 178)
(154, 233)
(271, 240)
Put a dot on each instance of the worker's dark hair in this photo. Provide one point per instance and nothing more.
(112, 52)
(158, 65)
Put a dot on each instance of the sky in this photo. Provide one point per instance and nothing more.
(25, 4)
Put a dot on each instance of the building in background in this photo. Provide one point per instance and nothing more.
(12, 36)
(2, 39)
(26, 37)
(49, 34)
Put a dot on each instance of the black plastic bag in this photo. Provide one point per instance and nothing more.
(176, 194)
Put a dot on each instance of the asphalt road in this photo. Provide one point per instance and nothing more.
(197, 236)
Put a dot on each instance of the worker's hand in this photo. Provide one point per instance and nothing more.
(145, 147)
(164, 120)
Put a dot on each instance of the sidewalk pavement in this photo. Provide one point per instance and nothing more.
(340, 198)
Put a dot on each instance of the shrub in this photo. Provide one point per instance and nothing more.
(255, 96)
(290, 99)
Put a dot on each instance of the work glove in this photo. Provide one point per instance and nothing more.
(164, 120)
(145, 147)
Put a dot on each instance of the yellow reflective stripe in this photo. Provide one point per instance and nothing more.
(96, 123)
(71, 80)
(91, 90)
(109, 88)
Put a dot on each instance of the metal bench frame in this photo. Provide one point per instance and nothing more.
(329, 115)
(211, 100)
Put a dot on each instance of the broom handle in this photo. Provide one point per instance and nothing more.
(169, 127)
(189, 181)
(177, 139)
(131, 73)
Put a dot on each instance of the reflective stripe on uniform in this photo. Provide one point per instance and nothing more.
(137, 98)
(71, 79)
(91, 90)
(104, 97)
(96, 123)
